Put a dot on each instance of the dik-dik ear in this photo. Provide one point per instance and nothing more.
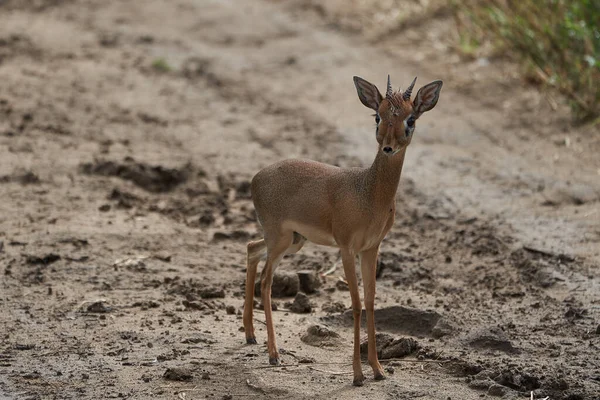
(368, 93)
(427, 97)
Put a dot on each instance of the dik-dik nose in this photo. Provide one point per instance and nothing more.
(388, 150)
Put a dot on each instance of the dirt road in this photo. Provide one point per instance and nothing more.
(129, 134)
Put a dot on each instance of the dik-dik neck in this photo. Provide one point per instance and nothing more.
(383, 177)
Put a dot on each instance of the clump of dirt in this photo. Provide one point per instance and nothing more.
(230, 183)
(301, 304)
(44, 260)
(497, 379)
(193, 289)
(178, 374)
(24, 178)
(539, 268)
(491, 339)
(285, 284)
(321, 336)
(403, 268)
(389, 346)
(334, 308)
(125, 200)
(240, 235)
(98, 307)
(309, 281)
(17, 44)
(151, 178)
(398, 319)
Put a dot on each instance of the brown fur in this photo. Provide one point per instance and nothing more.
(353, 209)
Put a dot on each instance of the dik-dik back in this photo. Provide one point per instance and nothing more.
(303, 196)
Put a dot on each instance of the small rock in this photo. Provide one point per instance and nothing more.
(147, 304)
(390, 370)
(227, 397)
(27, 178)
(108, 39)
(274, 306)
(284, 285)
(492, 339)
(45, 260)
(242, 190)
(199, 338)
(341, 285)
(85, 376)
(481, 384)
(497, 390)
(230, 310)
(104, 207)
(32, 375)
(163, 256)
(212, 293)
(206, 376)
(333, 308)
(381, 266)
(235, 235)
(301, 304)
(389, 346)
(309, 281)
(598, 330)
(178, 374)
(574, 313)
(193, 305)
(400, 347)
(442, 328)
(27, 346)
(98, 307)
(207, 218)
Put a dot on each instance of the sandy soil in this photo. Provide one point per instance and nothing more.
(129, 134)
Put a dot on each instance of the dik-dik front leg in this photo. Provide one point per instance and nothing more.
(368, 266)
(350, 272)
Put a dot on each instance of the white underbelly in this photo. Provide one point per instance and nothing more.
(312, 234)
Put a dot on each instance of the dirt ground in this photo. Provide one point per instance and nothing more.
(129, 132)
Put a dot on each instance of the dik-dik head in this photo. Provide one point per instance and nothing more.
(396, 114)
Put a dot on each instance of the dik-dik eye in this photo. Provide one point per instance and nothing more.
(377, 119)
(409, 125)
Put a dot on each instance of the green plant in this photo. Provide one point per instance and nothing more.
(559, 40)
(161, 65)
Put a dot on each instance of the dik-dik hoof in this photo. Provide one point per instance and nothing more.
(379, 376)
(274, 361)
(251, 340)
(359, 381)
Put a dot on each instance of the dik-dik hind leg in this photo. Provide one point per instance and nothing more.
(368, 265)
(276, 248)
(350, 272)
(255, 251)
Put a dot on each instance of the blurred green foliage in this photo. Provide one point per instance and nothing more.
(558, 40)
(161, 65)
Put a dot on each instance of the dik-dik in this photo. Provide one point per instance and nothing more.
(352, 209)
